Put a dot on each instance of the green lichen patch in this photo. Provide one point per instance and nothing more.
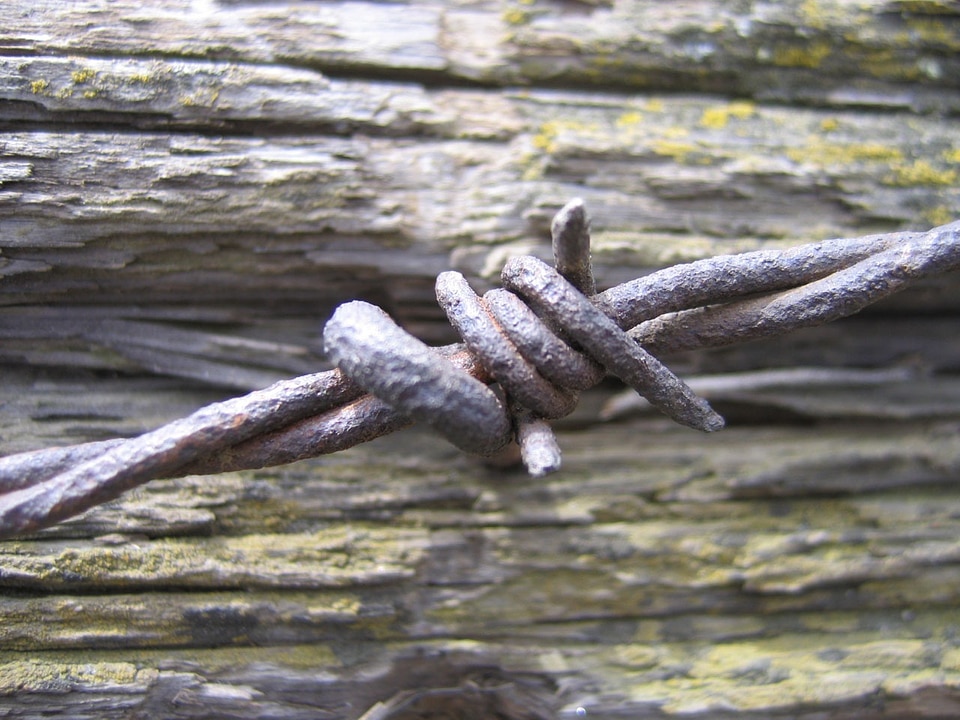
(835, 154)
(718, 116)
(809, 56)
(940, 215)
(339, 556)
(172, 619)
(36, 676)
(921, 172)
(677, 149)
(82, 76)
(553, 133)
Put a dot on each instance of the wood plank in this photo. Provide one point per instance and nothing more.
(599, 581)
(226, 216)
(889, 54)
(188, 189)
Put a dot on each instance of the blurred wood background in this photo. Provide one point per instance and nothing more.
(187, 189)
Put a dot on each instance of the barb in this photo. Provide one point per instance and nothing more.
(529, 348)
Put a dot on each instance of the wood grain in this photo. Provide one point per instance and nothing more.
(188, 188)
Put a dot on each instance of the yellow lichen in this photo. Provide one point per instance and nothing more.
(832, 14)
(714, 118)
(829, 124)
(939, 215)
(951, 660)
(36, 676)
(808, 56)
(717, 117)
(533, 165)
(549, 132)
(516, 16)
(629, 119)
(82, 76)
(934, 31)
(812, 14)
(886, 64)
(742, 110)
(679, 151)
(920, 172)
(38, 86)
(952, 156)
(826, 154)
(202, 98)
(334, 551)
(545, 139)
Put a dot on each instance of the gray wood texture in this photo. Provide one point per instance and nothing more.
(187, 189)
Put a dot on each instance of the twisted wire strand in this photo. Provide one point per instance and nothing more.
(845, 291)
(541, 339)
(391, 364)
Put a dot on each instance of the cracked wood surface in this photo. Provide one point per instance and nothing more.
(187, 189)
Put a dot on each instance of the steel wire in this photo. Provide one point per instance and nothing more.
(529, 348)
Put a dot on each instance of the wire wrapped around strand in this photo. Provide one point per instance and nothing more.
(529, 349)
(396, 367)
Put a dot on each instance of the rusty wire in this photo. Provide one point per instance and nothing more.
(529, 349)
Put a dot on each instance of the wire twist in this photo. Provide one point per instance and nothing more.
(539, 372)
(540, 339)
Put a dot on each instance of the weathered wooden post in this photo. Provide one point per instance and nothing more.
(187, 191)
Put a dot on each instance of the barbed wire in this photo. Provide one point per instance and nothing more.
(528, 349)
